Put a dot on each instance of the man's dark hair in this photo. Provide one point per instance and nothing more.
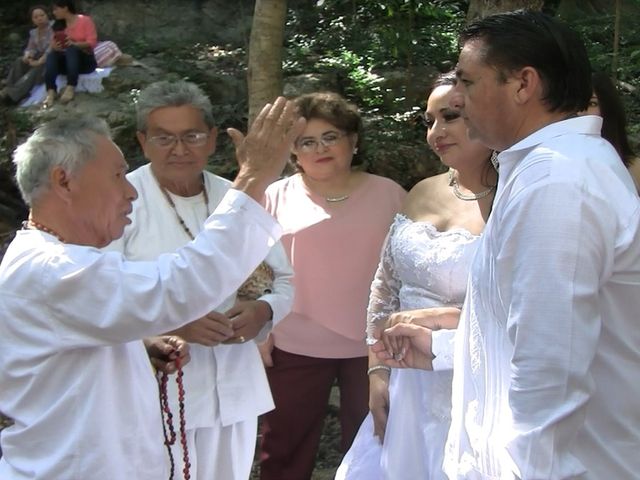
(526, 38)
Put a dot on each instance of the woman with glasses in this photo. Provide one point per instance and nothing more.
(335, 218)
(421, 280)
(225, 386)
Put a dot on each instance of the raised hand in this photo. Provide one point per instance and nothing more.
(263, 153)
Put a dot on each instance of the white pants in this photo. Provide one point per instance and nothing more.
(218, 452)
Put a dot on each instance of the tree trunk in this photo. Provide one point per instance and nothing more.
(264, 76)
(616, 43)
(482, 8)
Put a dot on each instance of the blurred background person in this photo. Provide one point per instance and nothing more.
(28, 70)
(607, 103)
(335, 219)
(72, 53)
(422, 279)
(225, 384)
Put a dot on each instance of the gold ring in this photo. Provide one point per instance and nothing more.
(241, 339)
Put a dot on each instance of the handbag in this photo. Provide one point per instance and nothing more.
(259, 283)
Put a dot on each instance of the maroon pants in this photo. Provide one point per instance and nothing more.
(301, 386)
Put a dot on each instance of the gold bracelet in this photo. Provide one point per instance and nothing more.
(370, 370)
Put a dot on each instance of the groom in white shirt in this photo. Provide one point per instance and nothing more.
(548, 349)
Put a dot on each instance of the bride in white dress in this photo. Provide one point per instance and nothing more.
(422, 279)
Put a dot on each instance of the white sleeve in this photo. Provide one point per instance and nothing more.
(555, 242)
(97, 298)
(442, 348)
(385, 288)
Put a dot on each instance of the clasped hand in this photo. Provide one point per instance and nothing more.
(240, 323)
(163, 350)
(405, 340)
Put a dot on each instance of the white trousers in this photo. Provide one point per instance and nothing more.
(218, 452)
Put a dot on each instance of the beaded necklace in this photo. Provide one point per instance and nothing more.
(170, 439)
(175, 210)
(162, 377)
(33, 225)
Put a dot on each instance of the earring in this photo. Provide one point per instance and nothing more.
(355, 150)
(494, 160)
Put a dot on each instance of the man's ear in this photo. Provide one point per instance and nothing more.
(59, 182)
(528, 85)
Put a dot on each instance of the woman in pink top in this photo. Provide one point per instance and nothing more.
(71, 53)
(335, 220)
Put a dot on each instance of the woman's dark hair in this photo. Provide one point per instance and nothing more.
(69, 4)
(614, 118)
(447, 78)
(38, 7)
(336, 110)
(525, 38)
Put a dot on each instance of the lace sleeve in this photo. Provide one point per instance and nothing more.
(383, 299)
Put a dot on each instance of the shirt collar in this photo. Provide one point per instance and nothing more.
(582, 125)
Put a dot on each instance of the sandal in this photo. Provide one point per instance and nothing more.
(67, 95)
(51, 98)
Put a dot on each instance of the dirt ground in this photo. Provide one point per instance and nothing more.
(329, 456)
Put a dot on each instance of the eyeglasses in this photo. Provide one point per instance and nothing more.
(310, 144)
(191, 139)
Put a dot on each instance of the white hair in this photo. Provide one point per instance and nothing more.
(68, 142)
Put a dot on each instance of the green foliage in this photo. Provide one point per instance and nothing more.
(363, 83)
(389, 34)
(598, 34)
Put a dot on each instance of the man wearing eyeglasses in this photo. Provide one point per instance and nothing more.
(225, 384)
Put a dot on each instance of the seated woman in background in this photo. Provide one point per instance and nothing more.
(606, 103)
(71, 54)
(28, 70)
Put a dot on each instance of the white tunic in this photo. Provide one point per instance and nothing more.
(223, 384)
(548, 354)
(73, 375)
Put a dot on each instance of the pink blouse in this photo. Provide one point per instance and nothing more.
(334, 252)
(84, 30)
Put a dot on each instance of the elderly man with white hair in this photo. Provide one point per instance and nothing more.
(74, 374)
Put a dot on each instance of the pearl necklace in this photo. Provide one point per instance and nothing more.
(464, 196)
(33, 225)
(336, 199)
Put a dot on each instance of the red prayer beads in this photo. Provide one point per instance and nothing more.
(170, 439)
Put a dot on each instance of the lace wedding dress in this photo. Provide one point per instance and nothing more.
(421, 267)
